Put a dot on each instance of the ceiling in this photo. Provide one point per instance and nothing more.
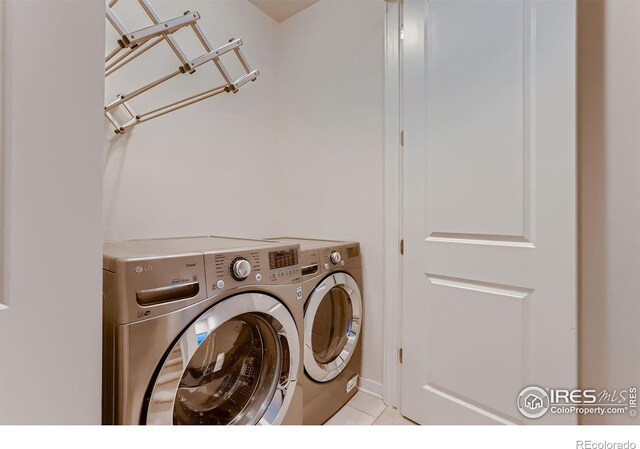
(281, 10)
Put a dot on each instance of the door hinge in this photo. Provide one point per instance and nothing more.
(402, 247)
(402, 138)
(400, 355)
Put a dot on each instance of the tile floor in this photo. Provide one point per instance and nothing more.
(364, 409)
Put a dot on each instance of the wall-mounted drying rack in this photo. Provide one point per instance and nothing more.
(132, 44)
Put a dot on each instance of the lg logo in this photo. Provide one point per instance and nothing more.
(140, 268)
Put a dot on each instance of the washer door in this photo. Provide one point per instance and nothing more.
(332, 322)
(236, 364)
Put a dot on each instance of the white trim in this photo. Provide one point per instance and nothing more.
(392, 221)
(371, 387)
(3, 289)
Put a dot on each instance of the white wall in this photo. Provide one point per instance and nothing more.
(210, 168)
(50, 336)
(298, 152)
(609, 136)
(330, 132)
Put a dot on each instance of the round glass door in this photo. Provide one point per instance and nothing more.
(236, 364)
(332, 324)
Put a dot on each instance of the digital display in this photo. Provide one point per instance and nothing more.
(281, 259)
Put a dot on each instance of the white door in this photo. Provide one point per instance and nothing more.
(489, 283)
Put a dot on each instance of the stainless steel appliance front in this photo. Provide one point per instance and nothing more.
(332, 288)
(228, 354)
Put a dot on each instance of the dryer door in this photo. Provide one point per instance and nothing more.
(332, 322)
(235, 364)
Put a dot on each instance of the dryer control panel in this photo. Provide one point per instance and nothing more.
(332, 257)
(340, 256)
(264, 266)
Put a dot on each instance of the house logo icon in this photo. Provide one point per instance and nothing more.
(533, 402)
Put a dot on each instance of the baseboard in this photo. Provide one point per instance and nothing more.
(370, 387)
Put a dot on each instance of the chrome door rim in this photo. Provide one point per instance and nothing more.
(234, 306)
(324, 372)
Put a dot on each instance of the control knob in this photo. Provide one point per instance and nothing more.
(336, 258)
(240, 268)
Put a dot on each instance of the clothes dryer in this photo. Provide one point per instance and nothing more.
(332, 349)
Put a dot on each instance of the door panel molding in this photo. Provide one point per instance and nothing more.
(480, 286)
(480, 239)
(527, 78)
(529, 119)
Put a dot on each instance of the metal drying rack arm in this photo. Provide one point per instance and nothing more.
(140, 41)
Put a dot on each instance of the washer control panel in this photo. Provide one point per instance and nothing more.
(153, 286)
(266, 266)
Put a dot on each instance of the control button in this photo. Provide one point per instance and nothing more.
(342, 263)
(299, 293)
(258, 277)
(281, 274)
(240, 268)
(326, 266)
(220, 284)
(336, 258)
(274, 276)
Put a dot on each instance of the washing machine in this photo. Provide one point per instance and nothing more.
(202, 330)
(332, 353)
